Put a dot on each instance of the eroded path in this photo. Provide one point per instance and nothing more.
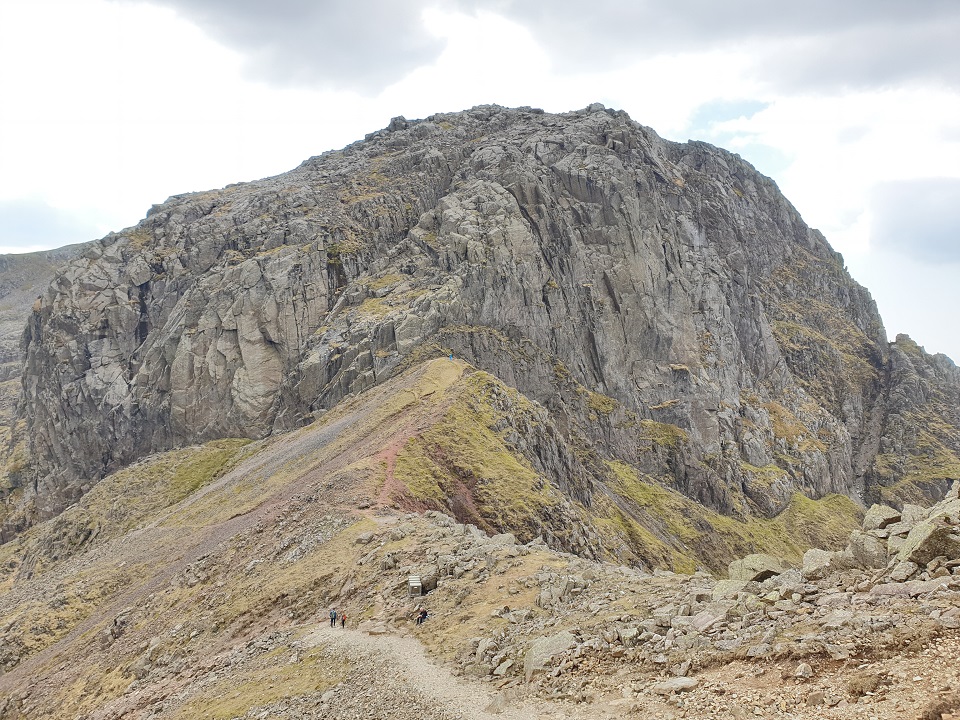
(403, 660)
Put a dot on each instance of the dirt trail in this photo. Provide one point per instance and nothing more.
(136, 546)
(461, 697)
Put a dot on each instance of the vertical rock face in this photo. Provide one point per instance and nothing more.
(23, 277)
(663, 300)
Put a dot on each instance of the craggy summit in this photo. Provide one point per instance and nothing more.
(661, 333)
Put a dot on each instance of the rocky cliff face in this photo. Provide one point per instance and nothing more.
(663, 302)
(23, 278)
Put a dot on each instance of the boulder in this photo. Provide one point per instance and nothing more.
(371, 627)
(704, 620)
(675, 685)
(819, 563)
(899, 528)
(731, 588)
(537, 658)
(628, 636)
(865, 551)
(914, 513)
(879, 516)
(903, 571)
(930, 539)
(756, 567)
(949, 510)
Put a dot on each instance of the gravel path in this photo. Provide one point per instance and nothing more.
(454, 697)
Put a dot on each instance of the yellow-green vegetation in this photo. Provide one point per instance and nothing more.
(561, 371)
(129, 497)
(244, 494)
(838, 354)
(787, 427)
(100, 685)
(348, 246)
(139, 237)
(924, 469)
(695, 533)
(264, 680)
(483, 479)
(159, 482)
(824, 523)
(35, 624)
(663, 434)
(378, 307)
(919, 477)
(617, 524)
(421, 477)
(202, 466)
(373, 307)
(764, 476)
(383, 281)
(909, 346)
(601, 403)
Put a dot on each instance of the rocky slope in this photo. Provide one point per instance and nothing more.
(23, 278)
(665, 309)
(196, 584)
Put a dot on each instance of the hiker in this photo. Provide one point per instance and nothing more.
(422, 616)
(343, 619)
(333, 617)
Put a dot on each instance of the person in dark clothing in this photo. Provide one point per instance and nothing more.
(333, 618)
(422, 616)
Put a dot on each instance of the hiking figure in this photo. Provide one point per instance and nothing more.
(343, 619)
(421, 616)
(333, 618)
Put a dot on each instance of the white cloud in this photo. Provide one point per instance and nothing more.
(110, 107)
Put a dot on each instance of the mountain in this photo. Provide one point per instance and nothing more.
(660, 336)
(568, 374)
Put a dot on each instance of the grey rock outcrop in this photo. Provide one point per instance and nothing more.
(538, 657)
(664, 300)
(879, 517)
(756, 567)
(930, 539)
(23, 278)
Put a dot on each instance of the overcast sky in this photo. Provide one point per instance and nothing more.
(853, 107)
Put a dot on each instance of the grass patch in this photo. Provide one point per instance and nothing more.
(601, 403)
(483, 479)
(693, 532)
(385, 281)
(663, 434)
(420, 475)
(266, 679)
(788, 428)
(764, 476)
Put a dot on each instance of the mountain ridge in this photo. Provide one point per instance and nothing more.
(607, 397)
(661, 301)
